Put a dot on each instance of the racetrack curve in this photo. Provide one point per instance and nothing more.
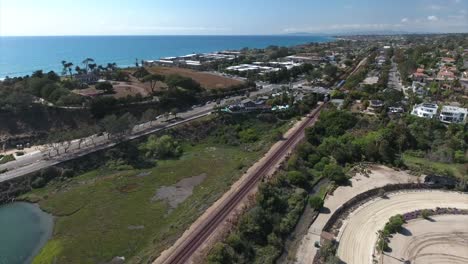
(358, 235)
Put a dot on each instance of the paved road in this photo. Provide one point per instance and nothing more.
(49, 156)
(394, 80)
(358, 235)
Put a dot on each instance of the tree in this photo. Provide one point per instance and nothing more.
(175, 80)
(52, 76)
(394, 224)
(141, 72)
(38, 74)
(92, 66)
(335, 173)
(67, 67)
(86, 62)
(330, 70)
(174, 111)
(153, 79)
(149, 116)
(316, 202)
(105, 86)
(161, 148)
(118, 126)
(100, 106)
(297, 178)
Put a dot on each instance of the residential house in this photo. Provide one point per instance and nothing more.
(395, 110)
(419, 88)
(426, 110)
(446, 73)
(453, 114)
(375, 105)
(248, 105)
(447, 60)
(419, 75)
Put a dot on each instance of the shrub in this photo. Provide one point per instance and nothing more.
(161, 148)
(382, 244)
(459, 156)
(105, 86)
(394, 224)
(248, 135)
(316, 202)
(426, 214)
(335, 173)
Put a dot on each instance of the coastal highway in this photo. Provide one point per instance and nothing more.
(184, 249)
(49, 156)
(40, 159)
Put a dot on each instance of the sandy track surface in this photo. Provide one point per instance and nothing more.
(443, 239)
(358, 234)
(379, 176)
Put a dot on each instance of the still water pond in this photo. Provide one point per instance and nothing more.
(24, 230)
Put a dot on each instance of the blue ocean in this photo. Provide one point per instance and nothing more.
(22, 55)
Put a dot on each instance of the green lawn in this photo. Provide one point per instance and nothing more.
(425, 165)
(95, 210)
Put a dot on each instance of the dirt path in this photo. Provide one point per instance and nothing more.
(442, 239)
(379, 176)
(358, 234)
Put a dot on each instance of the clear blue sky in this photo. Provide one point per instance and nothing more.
(228, 17)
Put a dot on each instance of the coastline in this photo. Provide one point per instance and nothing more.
(24, 58)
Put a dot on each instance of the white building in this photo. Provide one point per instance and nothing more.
(453, 114)
(426, 110)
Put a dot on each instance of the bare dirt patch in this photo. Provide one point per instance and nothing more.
(206, 80)
(176, 194)
(128, 188)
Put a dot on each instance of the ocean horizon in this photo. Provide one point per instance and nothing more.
(22, 55)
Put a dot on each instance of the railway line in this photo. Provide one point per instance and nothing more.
(185, 250)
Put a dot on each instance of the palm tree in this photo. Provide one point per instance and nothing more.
(64, 70)
(86, 62)
(67, 67)
(111, 66)
(92, 66)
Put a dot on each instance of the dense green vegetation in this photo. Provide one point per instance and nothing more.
(107, 204)
(337, 141)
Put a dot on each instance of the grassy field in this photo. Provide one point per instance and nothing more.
(206, 80)
(425, 165)
(103, 214)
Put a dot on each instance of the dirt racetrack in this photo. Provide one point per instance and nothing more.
(358, 234)
(442, 239)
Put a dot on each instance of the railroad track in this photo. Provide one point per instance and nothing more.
(182, 253)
